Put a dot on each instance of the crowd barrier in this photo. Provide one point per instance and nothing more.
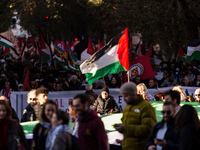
(109, 120)
(19, 99)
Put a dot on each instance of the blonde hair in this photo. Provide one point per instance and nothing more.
(31, 94)
(181, 90)
(144, 88)
(197, 91)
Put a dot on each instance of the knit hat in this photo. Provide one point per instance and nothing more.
(105, 89)
(128, 88)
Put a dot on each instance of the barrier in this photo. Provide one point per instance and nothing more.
(111, 119)
(19, 99)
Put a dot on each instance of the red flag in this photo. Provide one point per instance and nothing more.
(99, 45)
(90, 49)
(141, 66)
(26, 77)
(149, 52)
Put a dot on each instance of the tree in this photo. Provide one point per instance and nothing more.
(171, 23)
(6, 13)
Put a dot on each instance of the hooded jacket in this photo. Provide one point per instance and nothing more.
(139, 119)
(91, 133)
(103, 106)
(28, 114)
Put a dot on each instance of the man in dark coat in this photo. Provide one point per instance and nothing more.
(163, 136)
(29, 113)
(105, 104)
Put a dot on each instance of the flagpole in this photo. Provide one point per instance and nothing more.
(128, 76)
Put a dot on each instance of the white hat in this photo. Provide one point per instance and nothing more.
(20, 85)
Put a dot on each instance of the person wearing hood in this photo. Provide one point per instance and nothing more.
(105, 104)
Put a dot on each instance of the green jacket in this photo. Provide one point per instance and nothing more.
(139, 119)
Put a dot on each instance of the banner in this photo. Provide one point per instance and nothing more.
(19, 99)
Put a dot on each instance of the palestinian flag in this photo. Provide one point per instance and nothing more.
(59, 60)
(181, 54)
(8, 50)
(84, 49)
(5, 42)
(193, 50)
(46, 53)
(112, 58)
(71, 67)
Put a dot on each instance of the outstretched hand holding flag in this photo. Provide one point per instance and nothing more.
(112, 58)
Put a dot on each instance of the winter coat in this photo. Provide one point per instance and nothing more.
(14, 127)
(63, 141)
(170, 136)
(39, 137)
(189, 139)
(91, 133)
(52, 135)
(38, 110)
(139, 119)
(28, 114)
(103, 106)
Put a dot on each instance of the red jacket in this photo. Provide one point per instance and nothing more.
(91, 133)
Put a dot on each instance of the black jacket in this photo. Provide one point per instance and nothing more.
(28, 114)
(189, 138)
(13, 128)
(103, 106)
(39, 137)
(170, 136)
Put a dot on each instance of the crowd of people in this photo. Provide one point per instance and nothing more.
(168, 73)
(178, 130)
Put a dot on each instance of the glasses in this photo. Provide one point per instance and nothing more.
(167, 112)
(197, 94)
(34, 99)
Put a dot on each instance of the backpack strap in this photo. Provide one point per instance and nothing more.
(68, 140)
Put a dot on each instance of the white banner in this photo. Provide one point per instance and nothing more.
(19, 99)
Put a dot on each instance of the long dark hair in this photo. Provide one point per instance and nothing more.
(187, 116)
(43, 116)
(8, 109)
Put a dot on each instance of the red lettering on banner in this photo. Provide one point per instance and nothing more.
(56, 101)
(61, 103)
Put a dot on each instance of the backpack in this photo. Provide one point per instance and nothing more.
(71, 141)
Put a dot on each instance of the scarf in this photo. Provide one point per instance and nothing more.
(53, 132)
(45, 124)
(7, 92)
(3, 133)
